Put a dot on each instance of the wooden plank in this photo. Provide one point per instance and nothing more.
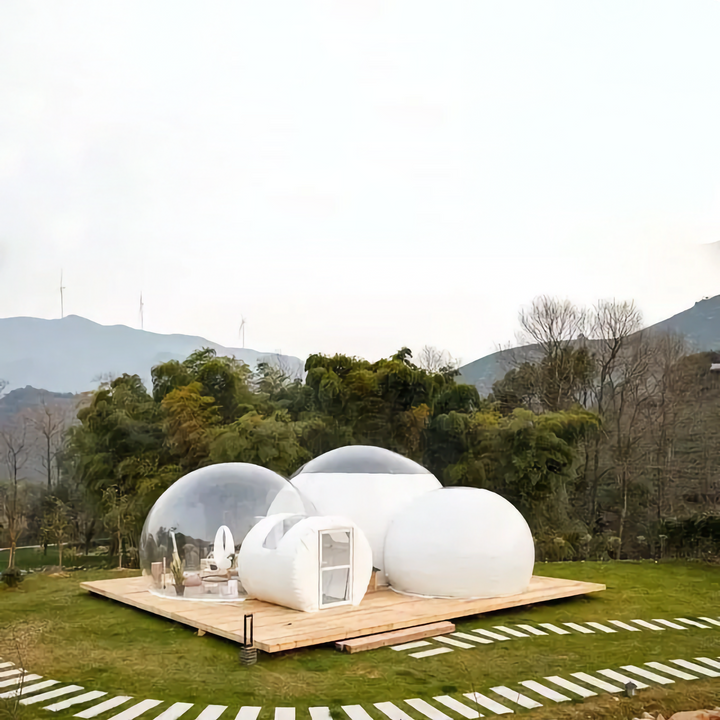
(396, 637)
(278, 628)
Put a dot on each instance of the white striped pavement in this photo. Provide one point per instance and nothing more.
(488, 703)
(392, 711)
(27, 689)
(695, 668)
(473, 638)
(213, 712)
(430, 653)
(654, 677)
(58, 692)
(453, 642)
(426, 709)
(674, 672)
(600, 626)
(357, 712)
(103, 706)
(516, 697)
(711, 621)
(77, 700)
(669, 623)
(136, 710)
(597, 682)
(709, 661)
(455, 705)
(571, 686)
(175, 711)
(555, 629)
(533, 630)
(490, 634)
(410, 645)
(624, 626)
(546, 692)
(694, 623)
(579, 628)
(320, 713)
(19, 679)
(648, 625)
(284, 713)
(624, 679)
(511, 631)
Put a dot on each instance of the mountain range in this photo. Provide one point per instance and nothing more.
(73, 354)
(700, 325)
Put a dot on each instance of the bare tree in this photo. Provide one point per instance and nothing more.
(668, 389)
(435, 360)
(612, 325)
(49, 423)
(627, 419)
(15, 447)
(56, 526)
(289, 370)
(551, 324)
(556, 329)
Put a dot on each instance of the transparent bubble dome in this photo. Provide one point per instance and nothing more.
(192, 535)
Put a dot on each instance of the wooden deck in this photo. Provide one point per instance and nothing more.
(277, 628)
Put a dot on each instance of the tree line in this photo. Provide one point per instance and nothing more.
(602, 434)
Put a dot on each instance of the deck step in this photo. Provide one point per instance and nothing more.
(395, 637)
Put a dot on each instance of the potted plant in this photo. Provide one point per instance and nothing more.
(177, 570)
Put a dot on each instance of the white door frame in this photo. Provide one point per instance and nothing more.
(349, 567)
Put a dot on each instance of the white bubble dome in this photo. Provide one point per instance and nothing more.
(459, 542)
(369, 485)
(209, 512)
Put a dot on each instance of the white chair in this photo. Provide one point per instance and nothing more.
(223, 549)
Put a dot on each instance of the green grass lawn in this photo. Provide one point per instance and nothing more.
(66, 634)
(35, 558)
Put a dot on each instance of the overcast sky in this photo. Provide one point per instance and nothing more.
(356, 176)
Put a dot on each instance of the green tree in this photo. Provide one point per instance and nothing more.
(273, 442)
(189, 419)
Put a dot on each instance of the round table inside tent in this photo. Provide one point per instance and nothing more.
(368, 485)
(193, 533)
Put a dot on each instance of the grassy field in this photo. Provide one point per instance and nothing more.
(35, 558)
(64, 633)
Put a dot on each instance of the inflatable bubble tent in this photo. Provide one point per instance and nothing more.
(369, 485)
(460, 542)
(351, 519)
(193, 533)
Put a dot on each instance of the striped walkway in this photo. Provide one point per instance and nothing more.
(442, 644)
(55, 697)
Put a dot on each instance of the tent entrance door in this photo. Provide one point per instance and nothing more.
(335, 576)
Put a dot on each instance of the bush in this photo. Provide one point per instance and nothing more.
(12, 577)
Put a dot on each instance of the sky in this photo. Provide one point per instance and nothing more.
(356, 176)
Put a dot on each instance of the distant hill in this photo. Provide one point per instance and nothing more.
(70, 355)
(700, 325)
(30, 397)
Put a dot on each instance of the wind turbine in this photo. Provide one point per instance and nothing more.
(241, 331)
(142, 318)
(62, 305)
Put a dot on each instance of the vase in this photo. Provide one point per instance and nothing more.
(180, 590)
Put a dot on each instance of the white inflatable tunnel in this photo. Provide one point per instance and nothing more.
(305, 563)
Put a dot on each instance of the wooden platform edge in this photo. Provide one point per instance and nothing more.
(464, 608)
(372, 642)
